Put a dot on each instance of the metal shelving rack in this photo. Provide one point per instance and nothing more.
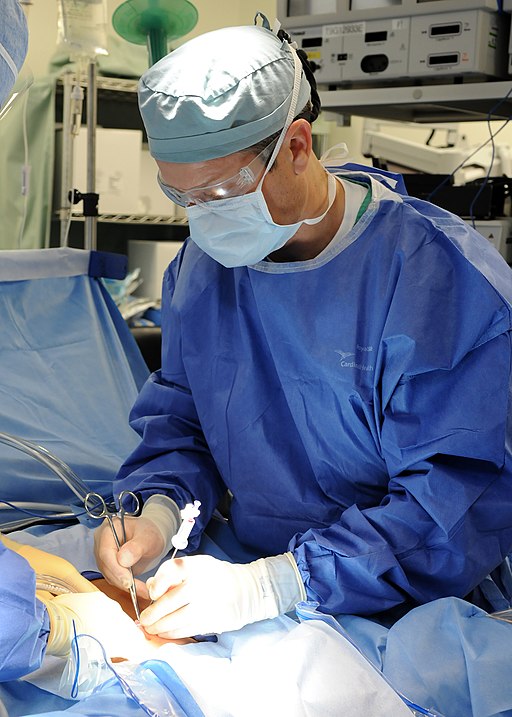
(456, 102)
(112, 94)
(140, 219)
(427, 103)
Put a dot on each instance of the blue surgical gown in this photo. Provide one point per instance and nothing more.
(356, 405)
(24, 621)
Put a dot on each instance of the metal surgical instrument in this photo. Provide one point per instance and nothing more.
(96, 507)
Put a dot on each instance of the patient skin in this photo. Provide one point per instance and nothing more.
(124, 600)
(120, 596)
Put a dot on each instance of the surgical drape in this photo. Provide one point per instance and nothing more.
(24, 620)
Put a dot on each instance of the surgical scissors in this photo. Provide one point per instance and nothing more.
(97, 508)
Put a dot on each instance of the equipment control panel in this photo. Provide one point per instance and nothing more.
(471, 43)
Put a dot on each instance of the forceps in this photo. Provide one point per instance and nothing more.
(97, 508)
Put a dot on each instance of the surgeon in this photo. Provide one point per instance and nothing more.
(37, 622)
(336, 355)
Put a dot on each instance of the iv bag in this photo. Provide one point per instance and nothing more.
(82, 27)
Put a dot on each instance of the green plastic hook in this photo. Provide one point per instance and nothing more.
(155, 23)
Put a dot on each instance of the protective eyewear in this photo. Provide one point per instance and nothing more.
(234, 186)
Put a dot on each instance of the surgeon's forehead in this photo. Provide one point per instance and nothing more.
(191, 175)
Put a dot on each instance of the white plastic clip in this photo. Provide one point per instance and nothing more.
(189, 513)
(276, 26)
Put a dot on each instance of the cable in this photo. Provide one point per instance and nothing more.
(76, 99)
(481, 146)
(39, 515)
(493, 154)
(430, 137)
(123, 683)
(76, 654)
(43, 455)
(486, 178)
(25, 171)
(448, 144)
(459, 166)
(68, 226)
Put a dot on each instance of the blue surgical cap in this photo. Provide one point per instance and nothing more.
(13, 45)
(219, 93)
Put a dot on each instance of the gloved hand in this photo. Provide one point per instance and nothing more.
(93, 614)
(148, 540)
(47, 564)
(200, 594)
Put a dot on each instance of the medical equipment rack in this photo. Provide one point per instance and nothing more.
(116, 108)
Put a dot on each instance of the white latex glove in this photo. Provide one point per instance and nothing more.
(199, 594)
(94, 614)
(148, 540)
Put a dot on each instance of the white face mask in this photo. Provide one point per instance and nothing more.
(240, 231)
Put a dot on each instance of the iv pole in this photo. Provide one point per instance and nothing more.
(72, 112)
(83, 26)
(91, 198)
(150, 22)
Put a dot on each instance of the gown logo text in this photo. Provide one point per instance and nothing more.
(346, 360)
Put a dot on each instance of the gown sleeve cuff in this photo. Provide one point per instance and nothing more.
(286, 581)
(164, 513)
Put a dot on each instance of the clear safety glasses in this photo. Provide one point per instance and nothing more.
(234, 186)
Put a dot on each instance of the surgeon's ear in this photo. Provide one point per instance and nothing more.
(301, 144)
